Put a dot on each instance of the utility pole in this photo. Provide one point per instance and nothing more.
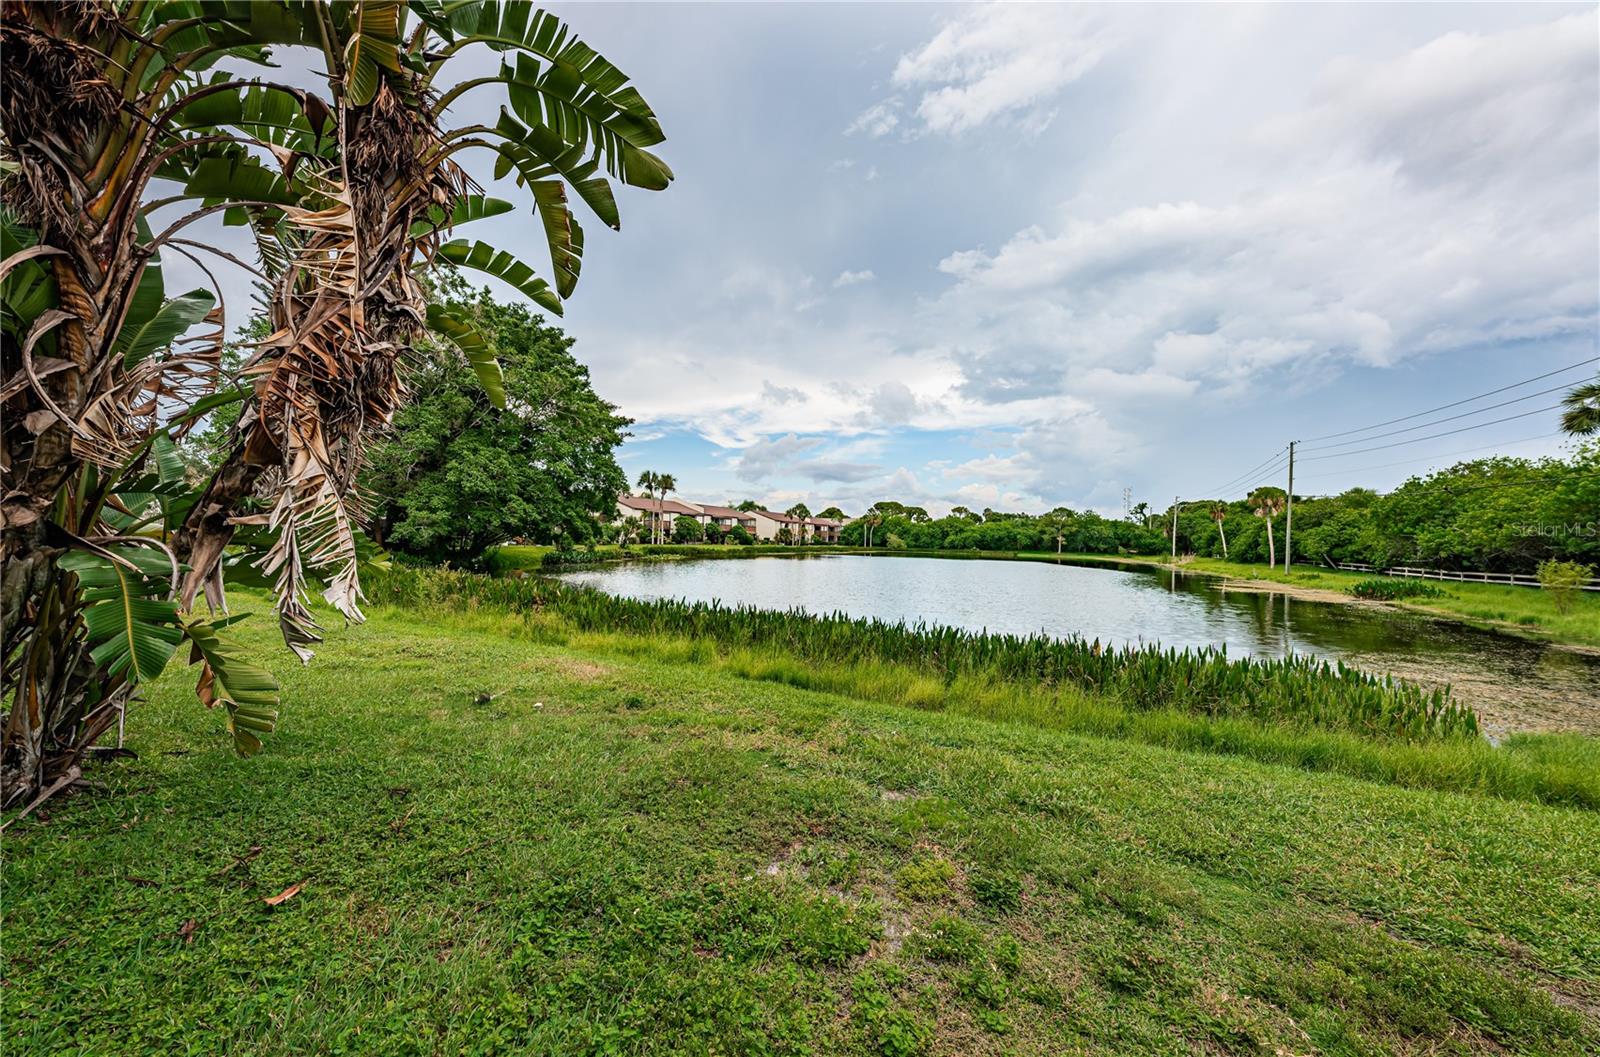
(1288, 520)
(1174, 530)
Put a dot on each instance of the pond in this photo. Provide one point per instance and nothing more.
(1514, 684)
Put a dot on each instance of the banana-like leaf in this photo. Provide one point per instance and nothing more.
(131, 633)
(562, 233)
(29, 289)
(579, 73)
(467, 338)
(468, 208)
(273, 113)
(173, 318)
(375, 43)
(148, 299)
(209, 403)
(537, 153)
(500, 264)
(555, 96)
(238, 179)
(247, 691)
(170, 468)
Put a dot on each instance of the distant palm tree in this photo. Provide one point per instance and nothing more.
(800, 511)
(666, 484)
(647, 482)
(656, 486)
(1219, 511)
(869, 520)
(1269, 503)
(1055, 527)
(1582, 414)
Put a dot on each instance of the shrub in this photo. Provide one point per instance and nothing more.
(925, 879)
(740, 535)
(687, 530)
(1382, 590)
(997, 890)
(560, 558)
(1563, 580)
(895, 543)
(713, 533)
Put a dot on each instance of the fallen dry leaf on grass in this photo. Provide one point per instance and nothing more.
(188, 930)
(283, 896)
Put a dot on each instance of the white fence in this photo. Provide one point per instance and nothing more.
(1508, 579)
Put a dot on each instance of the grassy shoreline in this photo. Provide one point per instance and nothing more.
(507, 843)
(1000, 678)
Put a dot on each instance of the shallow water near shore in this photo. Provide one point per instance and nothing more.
(1515, 684)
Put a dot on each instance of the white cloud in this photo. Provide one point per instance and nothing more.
(999, 61)
(1201, 228)
(849, 278)
(877, 120)
(766, 457)
(1451, 205)
(782, 394)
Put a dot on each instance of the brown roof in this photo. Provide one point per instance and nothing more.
(728, 511)
(660, 506)
(782, 519)
(824, 522)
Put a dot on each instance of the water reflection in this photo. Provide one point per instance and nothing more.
(1515, 684)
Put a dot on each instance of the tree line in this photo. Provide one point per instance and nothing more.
(1500, 513)
(897, 526)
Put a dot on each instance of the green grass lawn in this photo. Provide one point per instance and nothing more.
(507, 844)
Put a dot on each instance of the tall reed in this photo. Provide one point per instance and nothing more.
(1294, 690)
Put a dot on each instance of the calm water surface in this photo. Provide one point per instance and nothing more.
(1513, 683)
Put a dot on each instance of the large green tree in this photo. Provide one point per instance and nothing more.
(459, 474)
(122, 129)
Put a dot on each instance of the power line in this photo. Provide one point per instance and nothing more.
(1432, 436)
(1456, 403)
(1241, 490)
(1443, 455)
(1244, 490)
(1232, 481)
(1448, 418)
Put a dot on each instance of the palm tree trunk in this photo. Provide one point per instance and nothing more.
(1224, 536)
(1272, 550)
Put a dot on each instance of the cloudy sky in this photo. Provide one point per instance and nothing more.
(1016, 256)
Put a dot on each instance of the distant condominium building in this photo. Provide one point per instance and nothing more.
(764, 525)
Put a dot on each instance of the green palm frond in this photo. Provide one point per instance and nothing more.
(482, 257)
(1581, 413)
(132, 633)
(466, 337)
(247, 691)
